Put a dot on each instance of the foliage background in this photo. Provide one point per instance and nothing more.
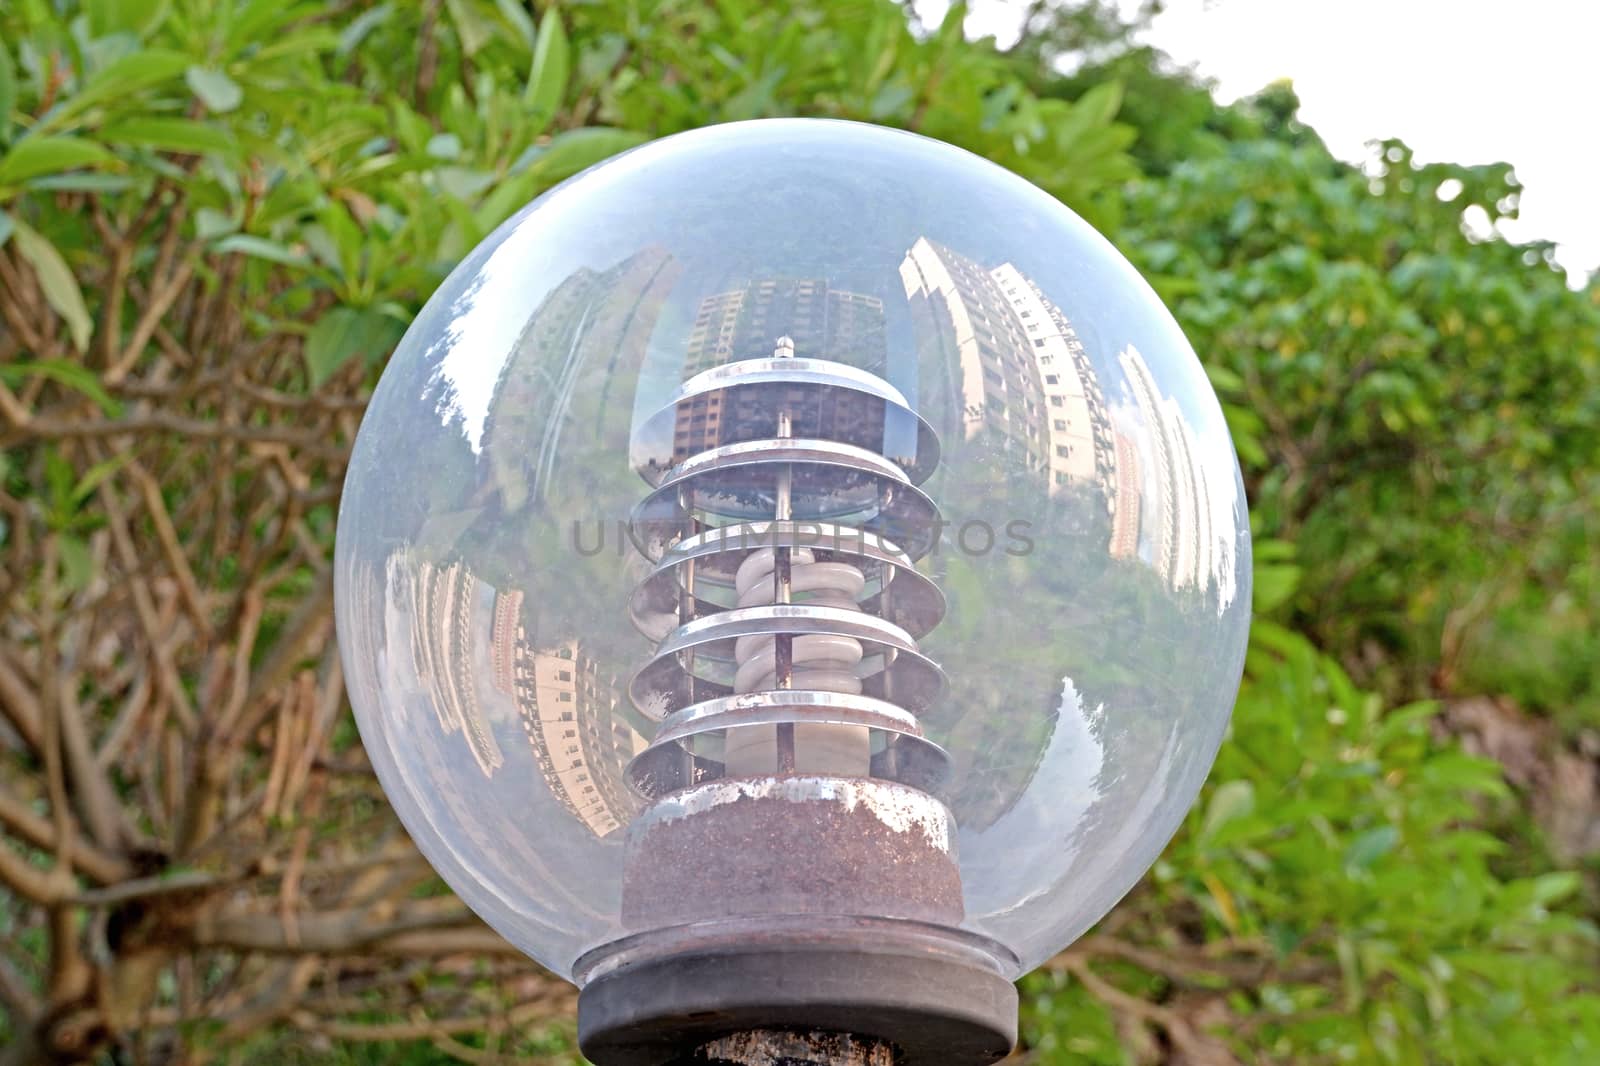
(217, 216)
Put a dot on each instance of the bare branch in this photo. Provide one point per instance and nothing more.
(20, 703)
(352, 932)
(53, 426)
(99, 865)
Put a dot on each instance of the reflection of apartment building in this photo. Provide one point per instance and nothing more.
(825, 323)
(1025, 381)
(1125, 504)
(1078, 430)
(503, 633)
(699, 425)
(441, 647)
(1178, 495)
(364, 610)
(568, 713)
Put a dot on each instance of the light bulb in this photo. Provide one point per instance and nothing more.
(792, 529)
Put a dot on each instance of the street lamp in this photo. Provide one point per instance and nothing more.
(792, 579)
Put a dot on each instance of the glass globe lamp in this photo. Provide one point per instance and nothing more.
(794, 575)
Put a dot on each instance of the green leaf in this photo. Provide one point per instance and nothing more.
(891, 100)
(33, 156)
(97, 475)
(574, 150)
(1370, 846)
(81, 181)
(474, 30)
(73, 375)
(552, 62)
(347, 332)
(209, 223)
(444, 146)
(506, 197)
(1554, 887)
(8, 92)
(55, 279)
(514, 13)
(260, 248)
(1272, 586)
(463, 183)
(77, 563)
(356, 30)
(215, 89)
(1099, 105)
(171, 134)
(6, 226)
(1232, 799)
(121, 79)
(137, 17)
(1412, 719)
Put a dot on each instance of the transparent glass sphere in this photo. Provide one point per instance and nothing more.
(1041, 620)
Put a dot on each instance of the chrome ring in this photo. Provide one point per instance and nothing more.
(916, 604)
(884, 502)
(652, 446)
(787, 705)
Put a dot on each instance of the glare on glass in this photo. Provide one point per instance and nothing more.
(793, 462)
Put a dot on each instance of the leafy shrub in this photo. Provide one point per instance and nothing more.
(216, 218)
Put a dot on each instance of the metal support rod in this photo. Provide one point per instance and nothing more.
(889, 760)
(783, 511)
(686, 615)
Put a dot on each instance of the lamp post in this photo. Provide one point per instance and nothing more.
(792, 579)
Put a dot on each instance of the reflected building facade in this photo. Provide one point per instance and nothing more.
(1178, 506)
(441, 646)
(823, 322)
(1023, 376)
(1078, 430)
(364, 604)
(1125, 505)
(569, 715)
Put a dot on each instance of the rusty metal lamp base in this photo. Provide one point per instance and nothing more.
(923, 995)
(766, 1047)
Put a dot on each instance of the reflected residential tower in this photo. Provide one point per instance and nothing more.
(1125, 505)
(570, 716)
(824, 323)
(1024, 378)
(1188, 549)
(441, 646)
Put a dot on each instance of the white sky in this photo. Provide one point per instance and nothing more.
(1465, 81)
